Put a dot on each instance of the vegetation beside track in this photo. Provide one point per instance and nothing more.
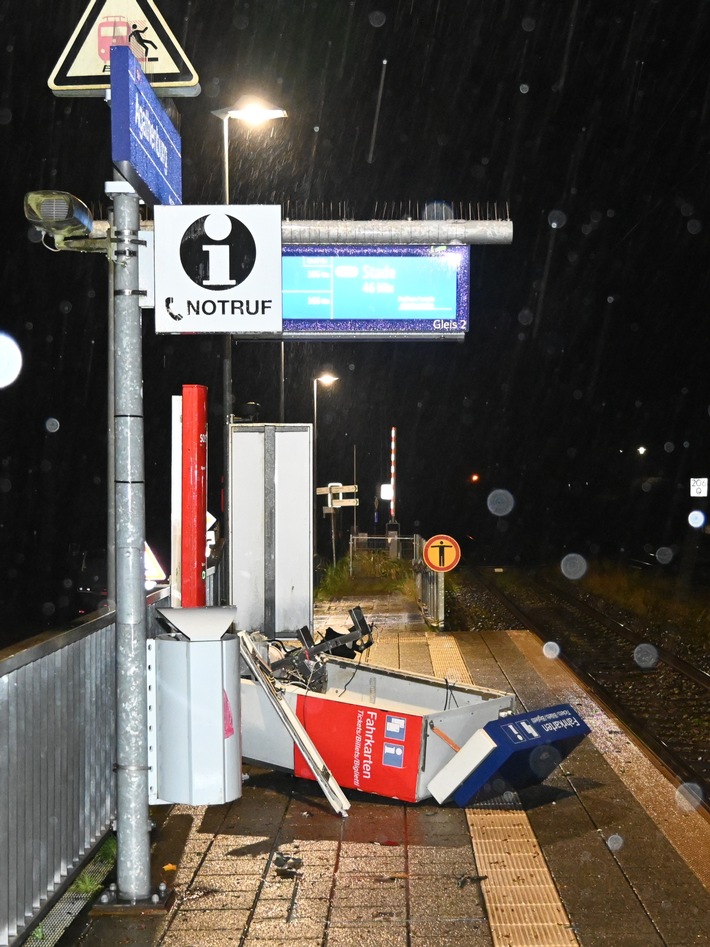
(374, 573)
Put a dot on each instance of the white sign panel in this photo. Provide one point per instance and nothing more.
(698, 486)
(218, 269)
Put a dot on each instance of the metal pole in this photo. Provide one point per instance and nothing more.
(111, 445)
(282, 398)
(225, 159)
(315, 465)
(133, 829)
(226, 388)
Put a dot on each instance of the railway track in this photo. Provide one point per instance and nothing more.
(661, 698)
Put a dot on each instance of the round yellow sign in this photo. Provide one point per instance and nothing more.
(441, 553)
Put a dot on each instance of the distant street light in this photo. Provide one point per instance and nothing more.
(254, 112)
(325, 379)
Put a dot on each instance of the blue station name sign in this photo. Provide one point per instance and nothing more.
(145, 147)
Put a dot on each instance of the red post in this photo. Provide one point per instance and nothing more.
(194, 495)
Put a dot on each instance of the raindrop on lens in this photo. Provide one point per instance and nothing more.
(689, 797)
(525, 318)
(694, 226)
(65, 307)
(551, 650)
(377, 18)
(528, 24)
(614, 843)
(646, 656)
(664, 554)
(524, 88)
(52, 425)
(573, 566)
(500, 502)
(557, 219)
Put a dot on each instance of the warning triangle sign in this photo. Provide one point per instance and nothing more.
(83, 68)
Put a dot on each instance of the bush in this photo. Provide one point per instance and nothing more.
(373, 572)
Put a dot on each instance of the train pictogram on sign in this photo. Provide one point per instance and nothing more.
(441, 553)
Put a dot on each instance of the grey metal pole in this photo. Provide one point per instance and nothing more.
(111, 449)
(133, 829)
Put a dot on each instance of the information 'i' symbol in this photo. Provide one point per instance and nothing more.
(217, 251)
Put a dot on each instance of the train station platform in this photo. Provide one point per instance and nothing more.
(605, 853)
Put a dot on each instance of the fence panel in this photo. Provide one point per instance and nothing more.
(57, 746)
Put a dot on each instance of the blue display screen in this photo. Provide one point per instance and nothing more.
(392, 291)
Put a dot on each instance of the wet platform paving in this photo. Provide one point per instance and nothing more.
(605, 852)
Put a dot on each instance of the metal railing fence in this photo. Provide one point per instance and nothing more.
(57, 754)
(367, 552)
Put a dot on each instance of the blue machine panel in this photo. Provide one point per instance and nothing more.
(529, 747)
(370, 291)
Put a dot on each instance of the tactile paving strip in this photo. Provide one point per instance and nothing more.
(522, 902)
(524, 908)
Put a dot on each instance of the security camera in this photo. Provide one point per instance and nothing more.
(63, 217)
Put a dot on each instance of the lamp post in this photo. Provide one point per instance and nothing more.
(325, 379)
(254, 112)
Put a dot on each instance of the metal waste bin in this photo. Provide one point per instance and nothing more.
(194, 713)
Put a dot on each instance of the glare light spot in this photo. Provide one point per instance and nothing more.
(10, 360)
(664, 554)
(573, 566)
(614, 843)
(689, 797)
(696, 519)
(557, 219)
(500, 502)
(438, 210)
(551, 650)
(641, 450)
(646, 656)
(52, 425)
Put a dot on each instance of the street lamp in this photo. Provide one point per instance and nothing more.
(325, 379)
(254, 112)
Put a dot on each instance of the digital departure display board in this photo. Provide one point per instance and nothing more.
(375, 292)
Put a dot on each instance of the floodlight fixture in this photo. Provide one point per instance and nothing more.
(64, 217)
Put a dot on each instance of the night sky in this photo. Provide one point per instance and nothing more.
(587, 121)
